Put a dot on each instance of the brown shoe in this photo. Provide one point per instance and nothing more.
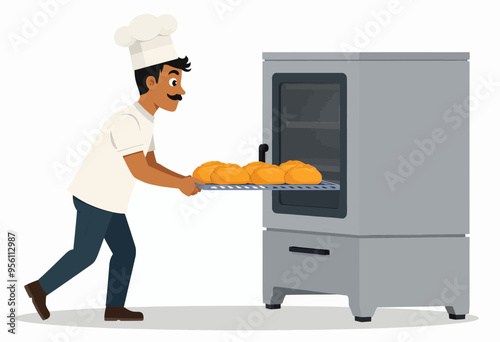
(114, 313)
(38, 295)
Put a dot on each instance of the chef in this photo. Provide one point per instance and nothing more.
(122, 153)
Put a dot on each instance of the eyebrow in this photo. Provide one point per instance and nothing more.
(173, 72)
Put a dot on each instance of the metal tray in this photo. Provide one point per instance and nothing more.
(281, 187)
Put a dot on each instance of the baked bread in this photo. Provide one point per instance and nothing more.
(204, 171)
(271, 174)
(303, 174)
(287, 166)
(229, 174)
(250, 168)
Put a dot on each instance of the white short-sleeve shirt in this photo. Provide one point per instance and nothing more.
(104, 179)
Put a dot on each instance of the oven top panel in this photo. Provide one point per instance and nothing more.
(366, 56)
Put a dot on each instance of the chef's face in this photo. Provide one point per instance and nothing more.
(167, 92)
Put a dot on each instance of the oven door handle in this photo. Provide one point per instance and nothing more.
(263, 148)
(295, 249)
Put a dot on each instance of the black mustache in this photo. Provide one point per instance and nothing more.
(175, 97)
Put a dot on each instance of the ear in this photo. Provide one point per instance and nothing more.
(150, 82)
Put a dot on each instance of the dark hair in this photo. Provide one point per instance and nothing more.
(154, 70)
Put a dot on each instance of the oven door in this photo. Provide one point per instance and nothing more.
(309, 124)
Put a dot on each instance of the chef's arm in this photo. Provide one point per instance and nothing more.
(141, 170)
(151, 159)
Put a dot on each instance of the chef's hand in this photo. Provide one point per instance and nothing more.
(188, 186)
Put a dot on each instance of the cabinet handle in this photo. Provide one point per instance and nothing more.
(306, 250)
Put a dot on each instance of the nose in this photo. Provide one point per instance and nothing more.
(182, 91)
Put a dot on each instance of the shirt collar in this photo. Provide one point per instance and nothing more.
(144, 112)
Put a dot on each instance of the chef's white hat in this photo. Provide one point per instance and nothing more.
(148, 39)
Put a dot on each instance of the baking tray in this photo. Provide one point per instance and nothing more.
(324, 185)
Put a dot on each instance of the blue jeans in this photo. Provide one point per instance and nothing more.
(93, 225)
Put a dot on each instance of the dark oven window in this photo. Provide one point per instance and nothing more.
(309, 124)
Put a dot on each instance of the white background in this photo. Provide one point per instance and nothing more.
(59, 84)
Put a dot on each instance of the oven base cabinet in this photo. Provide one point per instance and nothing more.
(381, 271)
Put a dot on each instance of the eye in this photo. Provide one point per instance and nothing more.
(172, 82)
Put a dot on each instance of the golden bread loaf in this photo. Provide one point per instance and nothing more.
(229, 174)
(204, 171)
(250, 168)
(303, 174)
(271, 174)
(287, 166)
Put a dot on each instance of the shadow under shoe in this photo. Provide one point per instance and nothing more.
(38, 296)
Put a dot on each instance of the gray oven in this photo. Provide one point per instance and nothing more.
(380, 125)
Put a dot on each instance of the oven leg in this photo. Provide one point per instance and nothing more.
(458, 306)
(362, 319)
(273, 306)
(274, 298)
(361, 313)
(457, 312)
